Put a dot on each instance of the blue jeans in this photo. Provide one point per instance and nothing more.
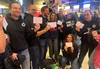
(26, 63)
(43, 50)
(34, 55)
(53, 47)
(74, 64)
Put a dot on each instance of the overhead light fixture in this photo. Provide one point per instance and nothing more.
(21, 2)
(44, 3)
(42, 6)
(1, 6)
(67, 7)
(76, 6)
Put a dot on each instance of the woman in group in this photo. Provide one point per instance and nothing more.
(69, 24)
(53, 35)
(70, 53)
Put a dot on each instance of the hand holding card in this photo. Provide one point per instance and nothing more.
(66, 48)
(59, 22)
(52, 24)
(81, 25)
(37, 20)
(69, 44)
(72, 49)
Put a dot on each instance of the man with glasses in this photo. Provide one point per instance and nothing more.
(88, 43)
(33, 42)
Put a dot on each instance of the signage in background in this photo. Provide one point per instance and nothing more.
(86, 7)
(0, 11)
(76, 8)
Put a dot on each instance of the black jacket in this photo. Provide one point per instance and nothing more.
(60, 35)
(18, 31)
(69, 27)
(61, 18)
(29, 20)
(42, 26)
(71, 56)
(93, 24)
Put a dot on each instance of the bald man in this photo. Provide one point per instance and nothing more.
(61, 17)
(33, 43)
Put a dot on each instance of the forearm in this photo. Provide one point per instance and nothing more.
(2, 41)
(39, 33)
(79, 33)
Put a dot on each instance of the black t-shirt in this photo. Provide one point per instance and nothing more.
(53, 32)
(60, 35)
(69, 27)
(42, 26)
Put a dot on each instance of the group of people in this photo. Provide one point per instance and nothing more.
(32, 39)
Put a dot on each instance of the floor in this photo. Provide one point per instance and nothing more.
(84, 64)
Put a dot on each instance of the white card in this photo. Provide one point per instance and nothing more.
(69, 44)
(52, 24)
(59, 22)
(37, 20)
(5, 24)
(81, 25)
(59, 2)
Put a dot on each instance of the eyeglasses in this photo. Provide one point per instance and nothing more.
(34, 9)
(86, 15)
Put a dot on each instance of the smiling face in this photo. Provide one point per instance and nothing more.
(15, 10)
(32, 10)
(53, 16)
(60, 12)
(69, 17)
(88, 16)
(69, 38)
(46, 12)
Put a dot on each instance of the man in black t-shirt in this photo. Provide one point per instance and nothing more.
(44, 37)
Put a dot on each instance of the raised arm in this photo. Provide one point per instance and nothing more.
(2, 38)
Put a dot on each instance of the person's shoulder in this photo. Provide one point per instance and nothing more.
(76, 46)
(40, 15)
(84, 22)
(95, 20)
(27, 16)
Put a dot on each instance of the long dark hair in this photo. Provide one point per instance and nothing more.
(73, 17)
(73, 41)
